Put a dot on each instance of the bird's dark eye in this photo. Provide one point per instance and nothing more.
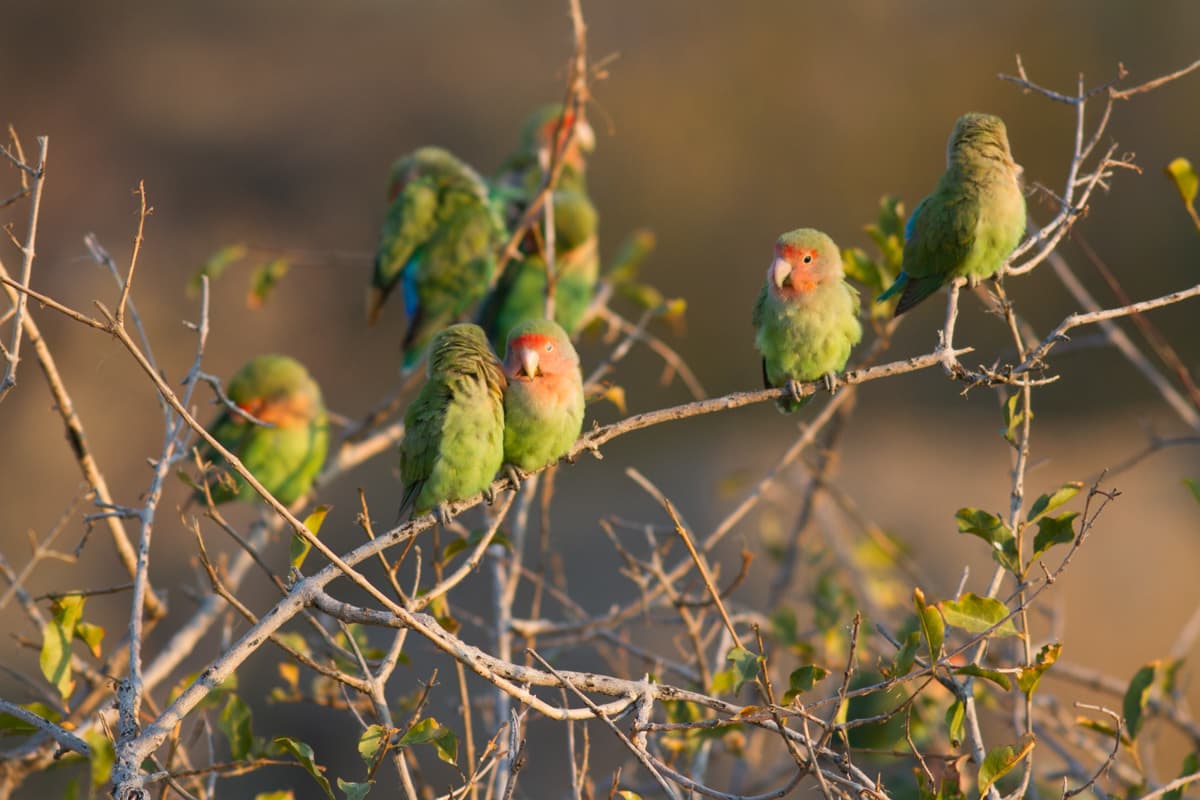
(808, 258)
(549, 348)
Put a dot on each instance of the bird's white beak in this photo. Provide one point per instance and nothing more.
(529, 363)
(781, 270)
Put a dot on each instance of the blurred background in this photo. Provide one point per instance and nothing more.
(720, 125)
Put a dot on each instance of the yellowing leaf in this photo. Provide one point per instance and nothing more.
(999, 762)
(217, 263)
(55, 658)
(975, 614)
(265, 278)
(300, 546)
(1182, 173)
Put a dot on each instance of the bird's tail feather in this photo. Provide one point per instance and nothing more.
(915, 291)
(901, 280)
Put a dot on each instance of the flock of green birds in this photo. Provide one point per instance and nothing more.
(475, 414)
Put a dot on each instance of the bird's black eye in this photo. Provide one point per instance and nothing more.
(549, 348)
(808, 258)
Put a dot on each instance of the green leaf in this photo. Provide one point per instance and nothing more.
(1180, 170)
(975, 614)
(1170, 675)
(1191, 765)
(235, 722)
(55, 658)
(860, 268)
(301, 546)
(1052, 531)
(373, 738)
(956, 723)
(803, 679)
(104, 755)
(354, 791)
(217, 263)
(745, 666)
(1028, 678)
(1194, 486)
(1014, 417)
(905, 656)
(991, 529)
(304, 754)
(998, 678)
(999, 762)
(428, 731)
(722, 682)
(265, 278)
(933, 627)
(1049, 502)
(888, 233)
(12, 726)
(1134, 704)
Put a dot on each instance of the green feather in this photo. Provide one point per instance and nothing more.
(973, 220)
(812, 334)
(284, 457)
(454, 429)
(439, 241)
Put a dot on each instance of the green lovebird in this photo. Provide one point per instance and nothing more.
(973, 220)
(286, 454)
(806, 314)
(543, 405)
(438, 242)
(454, 429)
(520, 293)
(522, 172)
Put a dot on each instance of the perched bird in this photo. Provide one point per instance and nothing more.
(522, 172)
(286, 454)
(543, 405)
(520, 293)
(973, 220)
(454, 429)
(438, 242)
(806, 315)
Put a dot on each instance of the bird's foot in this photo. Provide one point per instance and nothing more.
(441, 512)
(972, 281)
(797, 390)
(489, 494)
(832, 382)
(516, 476)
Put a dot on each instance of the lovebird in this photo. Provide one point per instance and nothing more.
(543, 405)
(522, 172)
(453, 441)
(439, 243)
(973, 220)
(285, 455)
(520, 293)
(806, 315)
